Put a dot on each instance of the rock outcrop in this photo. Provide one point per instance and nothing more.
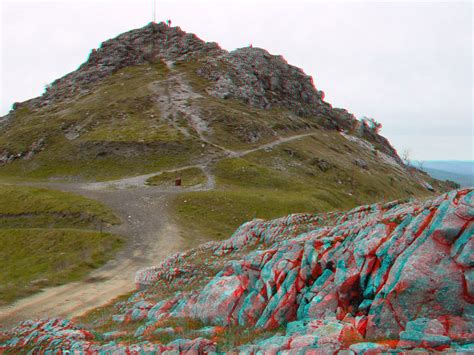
(251, 75)
(379, 278)
(256, 77)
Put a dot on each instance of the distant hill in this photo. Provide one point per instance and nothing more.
(461, 172)
(455, 166)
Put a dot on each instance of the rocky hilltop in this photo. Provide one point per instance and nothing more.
(153, 42)
(250, 75)
(381, 278)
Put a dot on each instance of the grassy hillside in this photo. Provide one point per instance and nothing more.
(149, 118)
(118, 129)
(113, 131)
(312, 174)
(33, 258)
(28, 207)
(49, 238)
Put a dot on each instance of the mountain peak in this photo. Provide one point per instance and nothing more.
(153, 42)
(250, 75)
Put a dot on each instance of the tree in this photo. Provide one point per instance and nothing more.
(406, 157)
(421, 163)
(452, 184)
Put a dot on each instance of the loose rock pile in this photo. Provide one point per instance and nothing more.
(379, 278)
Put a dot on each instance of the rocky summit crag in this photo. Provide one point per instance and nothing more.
(382, 278)
(150, 43)
(250, 75)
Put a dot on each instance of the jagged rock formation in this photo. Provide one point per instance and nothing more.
(263, 80)
(379, 278)
(250, 75)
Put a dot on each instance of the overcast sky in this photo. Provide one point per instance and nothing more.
(408, 65)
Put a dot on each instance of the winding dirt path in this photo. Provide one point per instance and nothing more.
(140, 180)
(270, 145)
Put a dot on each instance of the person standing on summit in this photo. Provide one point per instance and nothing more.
(168, 22)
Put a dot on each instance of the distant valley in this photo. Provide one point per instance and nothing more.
(461, 172)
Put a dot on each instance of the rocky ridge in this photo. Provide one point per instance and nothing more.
(251, 75)
(382, 278)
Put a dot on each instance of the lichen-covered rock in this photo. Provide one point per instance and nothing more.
(379, 278)
(424, 332)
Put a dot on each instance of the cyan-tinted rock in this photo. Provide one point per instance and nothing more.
(391, 277)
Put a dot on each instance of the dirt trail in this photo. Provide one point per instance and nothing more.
(150, 234)
(150, 238)
(176, 100)
(270, 145)
(140, 180)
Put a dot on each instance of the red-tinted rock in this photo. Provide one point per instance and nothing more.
(378, 278)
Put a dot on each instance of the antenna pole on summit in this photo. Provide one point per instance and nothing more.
(154, 11)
